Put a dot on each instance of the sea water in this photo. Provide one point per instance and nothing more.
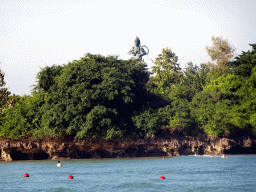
(184, 173)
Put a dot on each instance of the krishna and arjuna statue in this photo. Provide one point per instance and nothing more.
(138, 51)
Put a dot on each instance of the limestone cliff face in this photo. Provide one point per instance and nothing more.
(87, 149)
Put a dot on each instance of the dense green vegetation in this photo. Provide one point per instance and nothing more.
(106, 97)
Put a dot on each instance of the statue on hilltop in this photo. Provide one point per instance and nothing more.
(138, 51)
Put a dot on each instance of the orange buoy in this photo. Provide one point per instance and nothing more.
(162, 177)
(70, 177)
(26, 175)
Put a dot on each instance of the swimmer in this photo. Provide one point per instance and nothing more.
(59, 164)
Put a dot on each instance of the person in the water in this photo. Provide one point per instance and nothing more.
(59, 164)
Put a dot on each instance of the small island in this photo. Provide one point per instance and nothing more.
(106, 107)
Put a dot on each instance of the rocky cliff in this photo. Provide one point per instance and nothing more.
(99, 148)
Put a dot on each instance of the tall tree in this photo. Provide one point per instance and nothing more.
(221, 52)
(168, 71)
(195, 77)
(245, 62)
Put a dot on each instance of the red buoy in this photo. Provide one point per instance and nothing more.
(162, 177)
(26, 175)
(70, 177)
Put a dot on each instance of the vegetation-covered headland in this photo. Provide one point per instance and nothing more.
(108, 98)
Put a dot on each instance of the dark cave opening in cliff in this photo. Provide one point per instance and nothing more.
(201, 150)
(17, 155)
(241, 150)
(40, 156)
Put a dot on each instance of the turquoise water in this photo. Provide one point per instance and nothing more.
(185, 173)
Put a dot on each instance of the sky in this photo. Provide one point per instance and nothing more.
(36, 33)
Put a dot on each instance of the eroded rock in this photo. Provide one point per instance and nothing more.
(87, 149)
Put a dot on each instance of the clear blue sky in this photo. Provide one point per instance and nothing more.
(38, 33)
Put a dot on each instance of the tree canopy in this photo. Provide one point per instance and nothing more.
(107, 97)
(221, 52)
(95, 96)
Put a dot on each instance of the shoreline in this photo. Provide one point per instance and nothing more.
(176, 145)
(130, 158)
